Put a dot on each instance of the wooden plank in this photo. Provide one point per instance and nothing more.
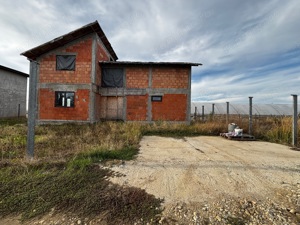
(244, 137)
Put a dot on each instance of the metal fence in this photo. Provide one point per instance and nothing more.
(252, 112)
(242, 109)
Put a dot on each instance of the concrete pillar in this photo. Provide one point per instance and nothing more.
(295, 121)
(203, 113)
(32, 109)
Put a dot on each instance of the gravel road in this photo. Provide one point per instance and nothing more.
(213, 180)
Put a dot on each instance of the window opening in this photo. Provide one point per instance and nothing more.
(64, 99)
(65, 62)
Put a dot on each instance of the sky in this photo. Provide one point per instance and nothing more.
(247, 48)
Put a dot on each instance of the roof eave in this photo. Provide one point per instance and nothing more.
(14, 71)
(149, 63)
(71, 36)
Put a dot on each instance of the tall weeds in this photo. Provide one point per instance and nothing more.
(64, 141)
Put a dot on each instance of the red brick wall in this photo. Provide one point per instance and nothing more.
(49, 112)
(137, 108)
(172, 108)
(97, 107)
(137, 77)
(170, 77)
(101, 55)
(82, 73)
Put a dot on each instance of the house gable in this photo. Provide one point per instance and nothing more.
(69, 37)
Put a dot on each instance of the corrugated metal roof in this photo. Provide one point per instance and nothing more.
(14, 71)
(134, 63)
(64, 39)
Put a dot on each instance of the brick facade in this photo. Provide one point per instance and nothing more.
(144, 81)
(82, 73)
(137, 77)
(137, 108)
(170, 78)
(172, 108)
(101, 55)
(47, 110)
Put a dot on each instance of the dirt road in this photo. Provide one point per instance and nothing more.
(200, 169)
(211, 180)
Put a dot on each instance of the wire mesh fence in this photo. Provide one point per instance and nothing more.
(242, 109)
(274, 120)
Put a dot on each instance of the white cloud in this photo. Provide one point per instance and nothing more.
(245, 46)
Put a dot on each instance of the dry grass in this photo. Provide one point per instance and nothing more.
(268, 128)
(58, 142)
(64, 175)
(62, 141)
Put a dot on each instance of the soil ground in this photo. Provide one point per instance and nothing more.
(199, 172)
(202, 169)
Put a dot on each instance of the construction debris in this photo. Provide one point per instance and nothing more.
(236, 133)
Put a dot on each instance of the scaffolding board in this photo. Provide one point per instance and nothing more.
(243, 137)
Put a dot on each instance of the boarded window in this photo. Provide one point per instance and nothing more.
(112, 77)
(64, 99)
(65, 62)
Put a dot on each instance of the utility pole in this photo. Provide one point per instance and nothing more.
(32, 108)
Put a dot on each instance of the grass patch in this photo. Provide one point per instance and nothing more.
(82, 160)
(33, 190)
(55, 142)
(12, 121)
(181, 130)
(67, 177)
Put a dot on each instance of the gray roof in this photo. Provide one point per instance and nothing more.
(64, 39)
(137, 63)
(243, 109)
(14, 71)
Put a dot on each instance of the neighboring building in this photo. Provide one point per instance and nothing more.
(80, 80)
(13, 87)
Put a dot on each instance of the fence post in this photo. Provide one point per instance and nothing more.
(227, 113)
(32, 109)
(19, 108)
(203, 113)
(295, 120)
(195, 114)
(250, 115)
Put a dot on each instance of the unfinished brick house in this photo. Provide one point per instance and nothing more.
(80, 80)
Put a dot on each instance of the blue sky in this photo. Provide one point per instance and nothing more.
(248, 48)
